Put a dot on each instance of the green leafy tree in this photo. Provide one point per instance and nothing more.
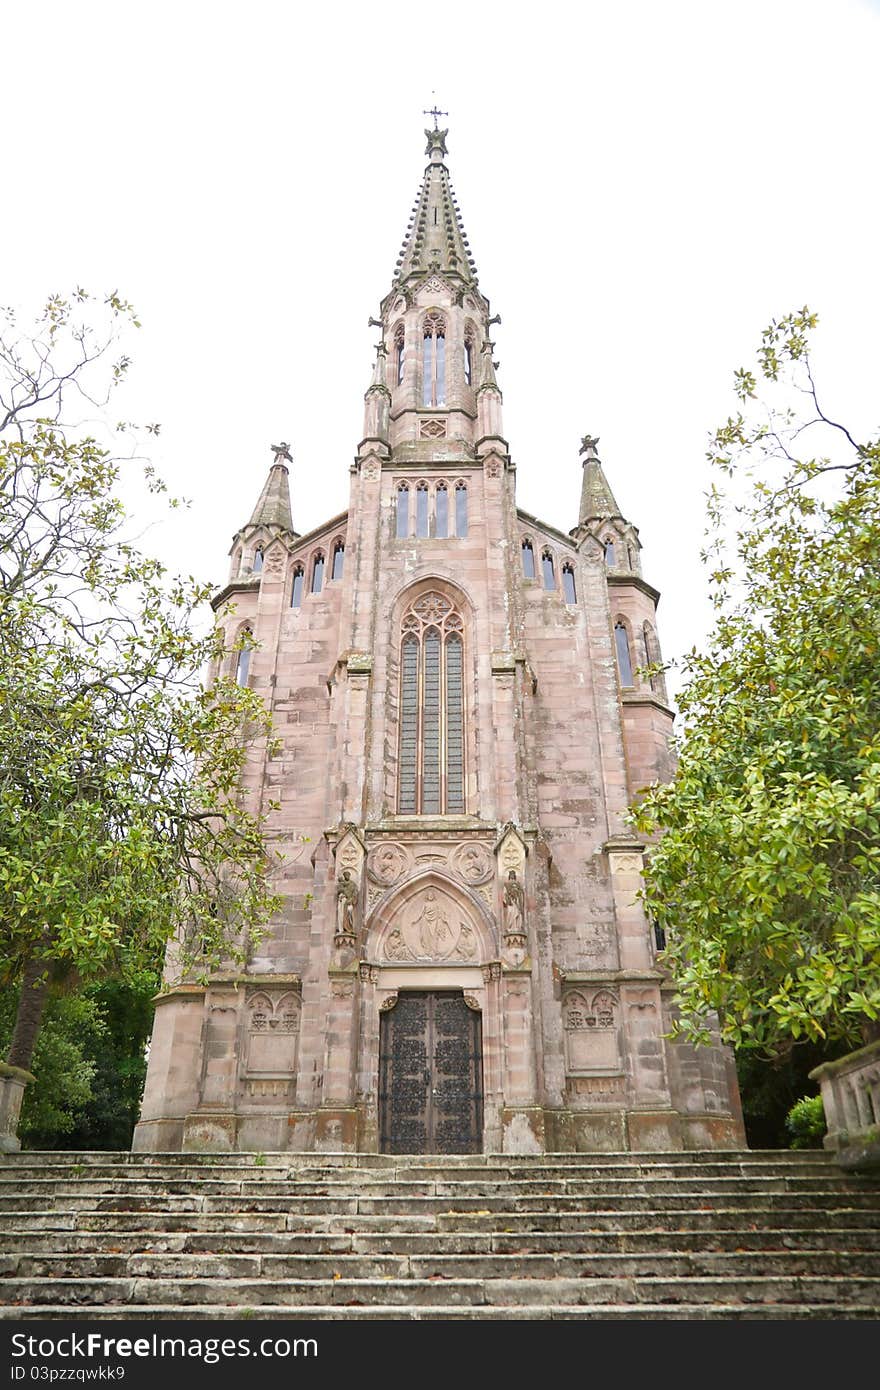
(122, 820)
(766, 873)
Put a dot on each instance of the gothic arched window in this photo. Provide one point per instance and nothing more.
(338, 560)
(624, 659)
(568, 589)
(547, 570)
(431, 743)
(468, 356)
(258, 560)
(609, 552)
(461, 515)
(296, 593)
(422, 509)
(528, 560)
(399, 352)
(652, 658)
(434, 359)
(236, 562)
(402, 511)
(317, 573)
(243, 663)
(441, 512)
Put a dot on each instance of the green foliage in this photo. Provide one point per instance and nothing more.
(89, 1065)
(122, 822)
(805, 1122)
(63, 1068)
(766, 873)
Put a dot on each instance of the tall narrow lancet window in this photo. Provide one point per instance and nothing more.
(547, 570)
(296, 593)
(624, 659)
(338, 560)
(468, 357)
(431, 748)
(568, 589)
(402, 512)
(461, 510)
(434, 360)
(609, 553)
(243, 664)
(399, 352)
(652, 657)
(317, 573)
(441, 512)
(236, 563)
(528, 558)
(258, 560)
(422, 509)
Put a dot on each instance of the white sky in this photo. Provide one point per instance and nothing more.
(644, 185)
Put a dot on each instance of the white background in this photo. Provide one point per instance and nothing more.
(644, 185)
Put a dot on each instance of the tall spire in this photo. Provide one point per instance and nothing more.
(597, 499)
(435, 238)
(273, 505)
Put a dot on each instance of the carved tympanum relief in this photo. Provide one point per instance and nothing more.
(431, 927)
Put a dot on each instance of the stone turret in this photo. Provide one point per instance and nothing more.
(271, 519)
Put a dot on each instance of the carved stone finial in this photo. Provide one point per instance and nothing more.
(281, 451)
(436, 139)
(590, 446)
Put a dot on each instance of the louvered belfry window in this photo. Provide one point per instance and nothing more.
(431, 749)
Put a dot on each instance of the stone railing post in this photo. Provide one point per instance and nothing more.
(12, 1083)
(851, 1097)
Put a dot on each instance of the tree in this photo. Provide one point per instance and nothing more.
(766, 875)
(122, 820)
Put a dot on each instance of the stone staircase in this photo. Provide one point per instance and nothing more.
(306, 1236)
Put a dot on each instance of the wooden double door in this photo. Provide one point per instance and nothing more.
(430, 1075)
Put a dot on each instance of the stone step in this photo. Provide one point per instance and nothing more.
(290, 1158)
(453, 1202)
(839, 1289)
(47, 1190)
(218, 1172)
(691, 1312)
(672, 1219)
(422, 1243)
(740, 1265)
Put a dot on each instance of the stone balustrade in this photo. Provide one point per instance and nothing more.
(851, 1096)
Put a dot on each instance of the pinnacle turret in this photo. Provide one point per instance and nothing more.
(597, 499)
(273, 505)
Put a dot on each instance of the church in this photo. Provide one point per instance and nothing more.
(466, 699)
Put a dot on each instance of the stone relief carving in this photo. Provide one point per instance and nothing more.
(388, 862)
(493, 467)
(625, 863)
(272, 1022)
(511, 853)
(471, 861)
(370, 471)
(433, 928)
(432, 429)
(589, 1019)
(492, 971)
(473, 1003)
(388, 1003)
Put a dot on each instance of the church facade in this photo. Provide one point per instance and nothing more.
(465, 703)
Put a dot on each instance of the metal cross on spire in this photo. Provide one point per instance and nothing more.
(435, 112)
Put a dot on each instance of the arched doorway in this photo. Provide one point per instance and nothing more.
(431, 1027)
(430, 1074)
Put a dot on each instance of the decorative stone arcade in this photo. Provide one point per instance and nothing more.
(462, 961)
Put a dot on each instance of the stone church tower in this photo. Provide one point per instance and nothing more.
(461, 963)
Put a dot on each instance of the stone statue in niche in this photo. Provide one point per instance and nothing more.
(346, 906)
(514, 907)
(513, 951)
